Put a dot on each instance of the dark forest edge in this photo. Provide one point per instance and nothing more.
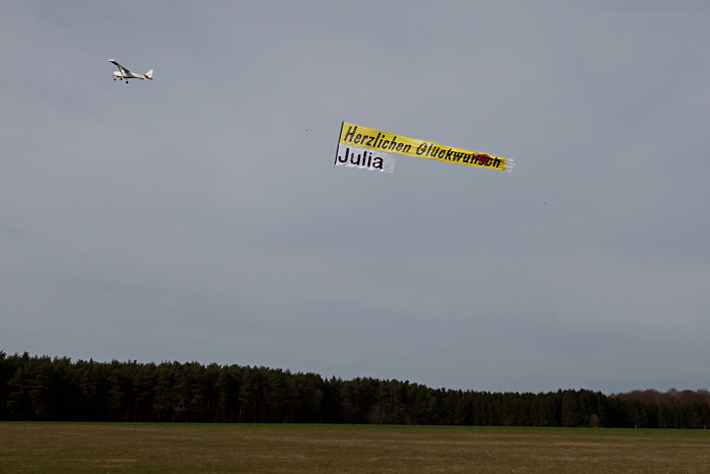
(41, 388)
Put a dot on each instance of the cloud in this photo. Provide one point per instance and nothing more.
(194, 218)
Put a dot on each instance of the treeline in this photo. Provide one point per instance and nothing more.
(46, 389)
(684, 397)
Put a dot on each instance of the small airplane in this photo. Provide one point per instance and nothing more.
(124, 73)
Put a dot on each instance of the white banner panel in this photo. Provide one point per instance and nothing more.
(364, 158)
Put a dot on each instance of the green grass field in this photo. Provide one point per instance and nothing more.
(197, 448)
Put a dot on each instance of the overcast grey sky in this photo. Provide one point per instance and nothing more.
(193, 218)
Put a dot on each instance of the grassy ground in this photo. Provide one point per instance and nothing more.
(192, 448)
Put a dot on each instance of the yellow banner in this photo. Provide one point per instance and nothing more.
(364, 137)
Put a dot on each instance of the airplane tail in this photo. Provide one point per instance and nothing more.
(149, 74)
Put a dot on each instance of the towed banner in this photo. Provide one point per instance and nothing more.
(368, 148)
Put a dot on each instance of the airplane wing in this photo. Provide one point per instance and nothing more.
(121, 68)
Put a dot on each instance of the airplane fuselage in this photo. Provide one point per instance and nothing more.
(130, 75)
